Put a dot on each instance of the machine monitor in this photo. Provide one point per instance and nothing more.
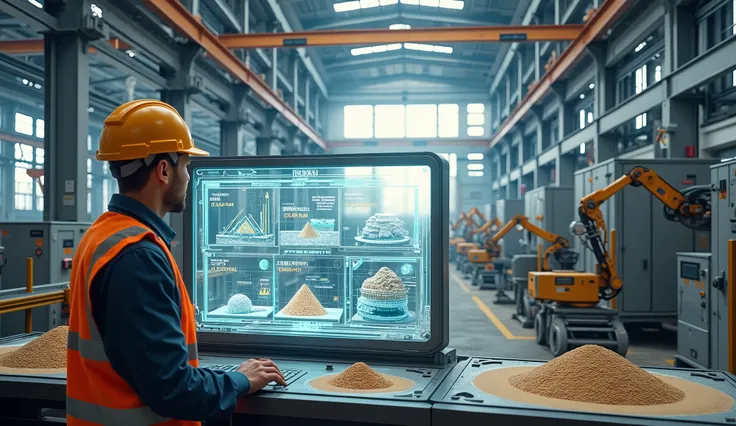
(331, 251)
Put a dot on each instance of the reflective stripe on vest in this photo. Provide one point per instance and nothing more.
(94, 350)
(93, 413)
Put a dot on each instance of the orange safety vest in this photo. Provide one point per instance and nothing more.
(96, 394)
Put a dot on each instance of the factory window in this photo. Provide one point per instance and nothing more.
(448, 120)
(40, 130)
(390, 121)
(421, 121)
(23, 124)
(23, 153)
(475, 174)
(657, 73)
(40, 156)
(475, 131)
(358, 122)
(640, 121)
(476, 119)
(23, 187)
(640, 79)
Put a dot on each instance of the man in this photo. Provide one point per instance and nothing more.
(132, 357)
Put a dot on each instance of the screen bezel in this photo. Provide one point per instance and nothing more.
(439, 223)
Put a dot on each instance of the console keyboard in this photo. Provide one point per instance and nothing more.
(290, 374)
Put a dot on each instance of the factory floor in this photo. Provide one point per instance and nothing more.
(480, 328)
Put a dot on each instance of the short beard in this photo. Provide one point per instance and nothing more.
(172, 200)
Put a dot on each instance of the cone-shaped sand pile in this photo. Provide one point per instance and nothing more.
(46, 351)
(595, 374)
(308, 232)
(304, 304)
(360, 376)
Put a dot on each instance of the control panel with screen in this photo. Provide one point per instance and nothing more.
(332, 247)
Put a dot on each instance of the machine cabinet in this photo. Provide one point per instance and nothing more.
(646, 243)
(549, 207)
(723, 229)
(693, 309)
(51, 245)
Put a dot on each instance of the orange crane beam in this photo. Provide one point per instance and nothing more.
(594, 29)
(488, 34)
(177, 15)
(35, 46)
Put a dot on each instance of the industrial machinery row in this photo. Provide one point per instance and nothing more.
(573, 295)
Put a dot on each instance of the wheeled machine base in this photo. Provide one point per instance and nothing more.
(526, 307)
(564, 328)
(485, 280)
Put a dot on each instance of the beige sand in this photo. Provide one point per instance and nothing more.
(9, 370)
(308, 232)
(304, 304)
(699, 399)
(399, 384)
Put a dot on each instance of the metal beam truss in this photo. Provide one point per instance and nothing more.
(504, 33)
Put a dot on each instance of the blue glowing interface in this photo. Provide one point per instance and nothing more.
(330, 252)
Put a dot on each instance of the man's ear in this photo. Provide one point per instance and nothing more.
(164, 171)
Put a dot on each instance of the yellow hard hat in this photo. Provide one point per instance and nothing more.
(142, 129)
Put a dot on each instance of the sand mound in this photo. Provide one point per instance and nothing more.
(308, 232)
(304, 304)
(384, 285)
(360, 376)
(595, 374)
(46, 351)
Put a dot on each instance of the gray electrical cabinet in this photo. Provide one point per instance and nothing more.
(51, 245)
(549, 207)
(723, 230)
(646, 243)
(512, 243)
(693, 309)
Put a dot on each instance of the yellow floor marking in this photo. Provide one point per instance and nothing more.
(670, 361)
(497, 322)
(463, 286)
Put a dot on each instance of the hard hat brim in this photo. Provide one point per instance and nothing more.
(194, 151)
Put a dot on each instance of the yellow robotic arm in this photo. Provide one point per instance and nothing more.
(558, 242)
(490, 226)
(691, 207)
(459, 222)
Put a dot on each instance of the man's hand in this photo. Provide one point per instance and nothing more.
(260, 372)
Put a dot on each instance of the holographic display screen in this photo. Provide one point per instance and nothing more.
(326, 252)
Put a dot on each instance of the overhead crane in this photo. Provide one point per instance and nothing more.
(486, 34)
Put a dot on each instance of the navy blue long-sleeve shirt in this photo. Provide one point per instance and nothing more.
(136, 305)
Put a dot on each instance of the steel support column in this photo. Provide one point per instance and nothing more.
(604, 146)
(66, 92)
(178, 94)
(565, 170)
(307, 83)
(295, 84)
(266, 138)
(680, 118)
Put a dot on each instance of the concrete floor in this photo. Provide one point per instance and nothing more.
(480, 328)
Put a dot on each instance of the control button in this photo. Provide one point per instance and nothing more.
(39, 252)
(66, 263)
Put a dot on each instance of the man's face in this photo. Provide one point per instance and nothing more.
(175, 197)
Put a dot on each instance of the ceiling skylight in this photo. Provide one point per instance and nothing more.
(347, 6)
(399, 27)
(396, 46)
(428, 48)
(375, 49)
